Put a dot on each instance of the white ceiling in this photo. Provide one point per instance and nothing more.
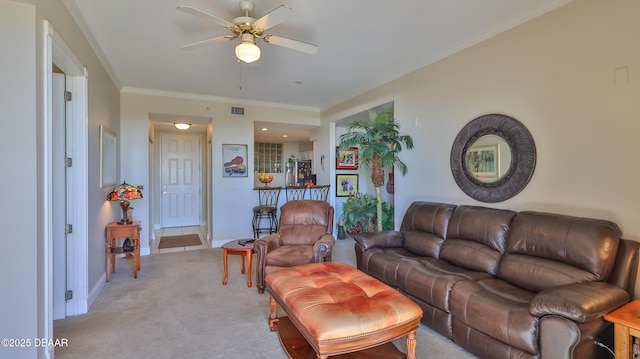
(362, 44)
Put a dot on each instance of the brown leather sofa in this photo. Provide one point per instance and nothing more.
(304, 236)
(506, 284)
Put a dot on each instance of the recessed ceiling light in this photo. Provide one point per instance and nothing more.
(265, 129)
(285, 135)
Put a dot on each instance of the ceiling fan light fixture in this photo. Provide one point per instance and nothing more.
(247, 51)
(182, 125)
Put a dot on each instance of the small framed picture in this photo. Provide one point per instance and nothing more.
(347, 159)
(346, 184)
(234, 159)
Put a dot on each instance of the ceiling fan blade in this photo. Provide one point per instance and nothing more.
(200, 13)
(214, 40)
(292, 44)
(273, 18)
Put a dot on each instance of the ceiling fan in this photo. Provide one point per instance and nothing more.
(248, 29)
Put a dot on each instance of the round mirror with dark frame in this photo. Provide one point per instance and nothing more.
(493, 158)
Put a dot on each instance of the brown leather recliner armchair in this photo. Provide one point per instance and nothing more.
(304, 236)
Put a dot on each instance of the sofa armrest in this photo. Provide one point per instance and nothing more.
(266, 244)
(386, 239)
(262, 246)
(581, 302)
(323, 247)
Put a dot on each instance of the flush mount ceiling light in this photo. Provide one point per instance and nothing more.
(247, 51)
(182, 125)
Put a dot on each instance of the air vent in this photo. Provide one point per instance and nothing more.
(237, 111)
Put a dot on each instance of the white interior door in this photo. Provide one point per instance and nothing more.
(59, 197)
(180, 180)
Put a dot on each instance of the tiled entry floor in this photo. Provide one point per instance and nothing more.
(178, 231)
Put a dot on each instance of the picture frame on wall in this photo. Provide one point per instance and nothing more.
(234, 160)
(483, 161)
(346, 184)
(107, 157)
(347, 159)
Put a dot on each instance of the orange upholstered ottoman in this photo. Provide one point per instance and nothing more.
(334, 309)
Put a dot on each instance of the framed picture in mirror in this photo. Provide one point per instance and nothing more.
(483, 161)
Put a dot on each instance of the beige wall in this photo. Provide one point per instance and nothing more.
(19, 269)
(570, 76)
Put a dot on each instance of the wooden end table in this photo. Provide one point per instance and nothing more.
(234, 247)
(626, 324)
(117, 230)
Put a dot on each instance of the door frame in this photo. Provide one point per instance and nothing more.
(56, 51)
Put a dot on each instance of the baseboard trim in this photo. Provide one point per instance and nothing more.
(96, 290)
(218, 244)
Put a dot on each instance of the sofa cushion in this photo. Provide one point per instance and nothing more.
(303, 222)
(422, 243)
(476, 237)
(498, 309)
(382, 263)
(545, 250)
(431, 280)
(287, 256)
(424, 226)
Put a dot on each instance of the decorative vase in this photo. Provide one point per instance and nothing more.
(289, 179)
(341, 234)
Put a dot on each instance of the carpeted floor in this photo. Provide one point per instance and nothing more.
(178, 308)
(179, 241)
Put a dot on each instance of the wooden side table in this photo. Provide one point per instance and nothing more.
(626, 324)
(234, 247)
(116, 230)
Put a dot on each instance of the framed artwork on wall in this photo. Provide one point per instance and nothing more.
(234, 159)
(107, 157)
(346, 184)
(347, 159)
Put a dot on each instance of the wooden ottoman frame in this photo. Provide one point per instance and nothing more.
(334, 309)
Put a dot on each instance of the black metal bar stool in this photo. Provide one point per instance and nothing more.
(267, 209)
(319, 193)
(295, 193)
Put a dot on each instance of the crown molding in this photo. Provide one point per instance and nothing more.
(236, 101)
(76, 14)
